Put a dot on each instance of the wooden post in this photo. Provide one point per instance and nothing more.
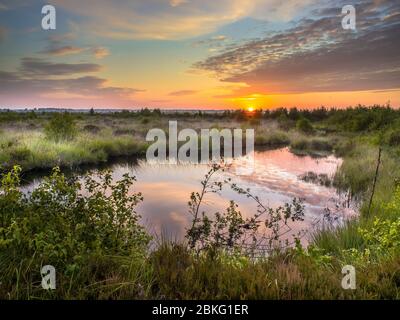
(375, 178)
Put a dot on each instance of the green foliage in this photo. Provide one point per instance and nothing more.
(31, 151)
(369, 241)
(272, 140)
(314, 253)
(312, 146)
(77, 230)
(61, 127)
(178, 274)
(67, 223)
(91, 129)
(393, 138)
(304, 125)
(332, 240)
(19, 154)
(381, 241)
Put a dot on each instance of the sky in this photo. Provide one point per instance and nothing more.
(199, 54)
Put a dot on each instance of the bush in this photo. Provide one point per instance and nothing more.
(60, 225)
(91, 129)
(272, 140)
(311, 146)
(393, 138)
(61, 127)
(255, 122)
(320, 145)
(19, 154)
(300, 144)
(145, 121)
(381, 241)
(304, 125)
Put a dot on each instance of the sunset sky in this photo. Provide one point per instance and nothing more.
(209, 54)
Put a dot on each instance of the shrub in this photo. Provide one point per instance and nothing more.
(393, 138)
(67, 224)
(61, 127)
(145, 121)
(300, 144)
(381, 241)
(304, 125)
(91, 128)
(19, 154)
(311, 146)
(320, 145)
(231, 231)
(274, 139)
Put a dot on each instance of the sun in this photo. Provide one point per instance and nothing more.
(250, 109)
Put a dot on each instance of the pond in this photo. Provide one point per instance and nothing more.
(276, 179)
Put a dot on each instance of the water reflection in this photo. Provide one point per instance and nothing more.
(275, 179)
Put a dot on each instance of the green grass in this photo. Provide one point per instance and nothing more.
(311, 146)
(334, 240)
(172, 272)
(33, 151)
(273, 139)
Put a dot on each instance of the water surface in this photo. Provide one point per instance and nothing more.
(275, 180)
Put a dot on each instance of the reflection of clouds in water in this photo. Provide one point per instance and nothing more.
(275, 179)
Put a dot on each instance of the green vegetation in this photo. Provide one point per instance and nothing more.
(314, 146)
(304, 125)
(60, 127)
(44, 140)
(32, 150)
(101, 252)
(274, 139)
(64, 140)
(58, 225)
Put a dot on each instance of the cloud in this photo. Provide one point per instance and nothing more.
(39, 67)
(176, 3)
(175, 19)
(3, 33)
(317, 55)
(182, 93)
(79, 90)
(100, 52)
(34, 84)
(213, 41)
(62, 51)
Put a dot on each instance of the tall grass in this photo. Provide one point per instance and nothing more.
(33, 151)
